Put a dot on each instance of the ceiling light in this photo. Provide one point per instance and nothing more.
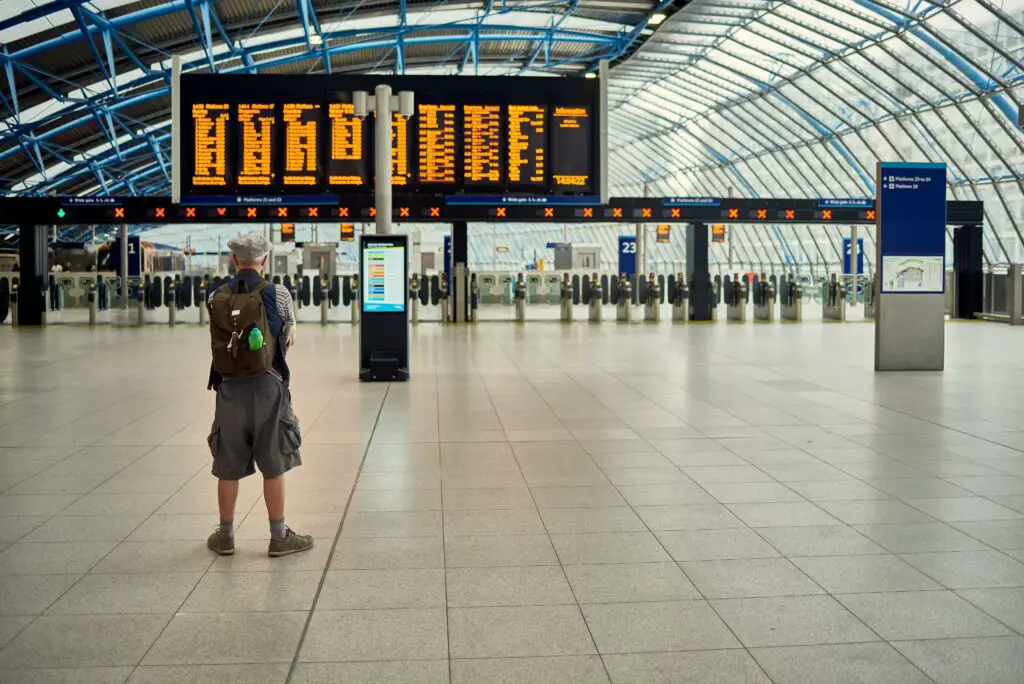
(656, 19)
(590, 74)
(316, 39)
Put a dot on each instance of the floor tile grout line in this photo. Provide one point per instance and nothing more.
(547, 532)
(83, 575)
(334, 545)
(840, 603)
(693, 584)
(558, 557)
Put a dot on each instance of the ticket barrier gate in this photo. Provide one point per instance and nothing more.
(354, 304)
(624, 307)
(652, 300)
(764, 300)
(869, 299)
(443, 285)
(474, 298)
(566, 302)
(790, 300)
(681, 300)
(520, 299)
(596, 298)
(736, 296)
(414, 298)
(536, 291)
(833, 301)
(325, 299)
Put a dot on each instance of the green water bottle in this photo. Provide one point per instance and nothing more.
(255, 339)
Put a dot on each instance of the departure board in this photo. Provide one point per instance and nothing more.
(436, 126)
(571, 151)
(257, 144)
(481, 144)
(349, 143)
(210, 148)
(273, 135)
(399, 150)
(301, 123)
(526, 143)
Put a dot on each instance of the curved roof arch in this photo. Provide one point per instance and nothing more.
(740, 97)
(802, 97)
(84, 97)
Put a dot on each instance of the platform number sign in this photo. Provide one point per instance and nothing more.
(627, 255)
(860, 256)
(134, 257)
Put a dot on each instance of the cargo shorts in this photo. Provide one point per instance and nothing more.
(254, 425)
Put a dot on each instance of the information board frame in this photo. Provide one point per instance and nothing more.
(384, 334)
(323, 90)
(384, 271)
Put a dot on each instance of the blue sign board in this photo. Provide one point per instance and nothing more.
(134, 257)
(846, 203)
(691, 201)
(912, 227)
(860, 255)
(627, 255)
(272, 200)
(511, 200)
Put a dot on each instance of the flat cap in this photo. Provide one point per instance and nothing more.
(250, 247)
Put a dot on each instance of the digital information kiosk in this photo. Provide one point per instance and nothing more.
(384, 327)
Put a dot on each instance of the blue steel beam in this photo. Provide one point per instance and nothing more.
(952, 57)
(495, 33)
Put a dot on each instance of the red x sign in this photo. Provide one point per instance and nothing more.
(871, 215)
(119, 212)
(373, 212)
(676, 213)
(827, 214)
(403, 212)
(762, 213)
(160, 212)
(645, 213)
(435, 212)
(190, 212)
(588, 213)
(790, 213)
(500, 212)
(734, 213)
(314, 212)
(282, 212)
(343, 212)
(549, 212)
(616, 213)
(250, 212)
(222, 211)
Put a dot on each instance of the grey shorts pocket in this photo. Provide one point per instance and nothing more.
(214, 442)
(291, 436)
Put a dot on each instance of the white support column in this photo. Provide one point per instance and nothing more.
(382, 159)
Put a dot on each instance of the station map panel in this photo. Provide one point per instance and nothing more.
(261, 134)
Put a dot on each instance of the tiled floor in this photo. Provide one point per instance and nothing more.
(541, 504)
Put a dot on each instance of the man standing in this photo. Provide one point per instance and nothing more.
(252, 324)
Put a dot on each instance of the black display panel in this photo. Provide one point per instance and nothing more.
(347, 144)
(257, 146)
(572, 127)
(208, 144)
(275, 135)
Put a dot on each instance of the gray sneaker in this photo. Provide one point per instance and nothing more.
(221, 544)
(292, 543)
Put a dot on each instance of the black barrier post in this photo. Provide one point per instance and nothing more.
(697, 271)
(32, 288)
(967, 262)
